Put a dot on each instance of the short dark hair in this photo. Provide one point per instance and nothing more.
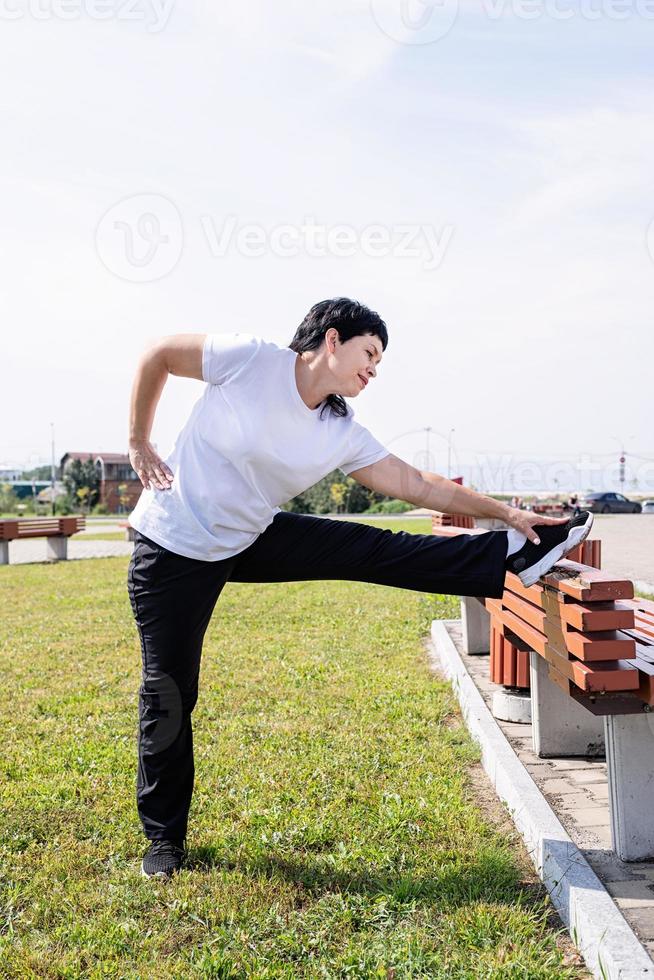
(350, 319)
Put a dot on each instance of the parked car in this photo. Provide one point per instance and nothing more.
(648, 506)
(609, 503)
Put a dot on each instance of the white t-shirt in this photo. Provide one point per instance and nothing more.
(250, 444)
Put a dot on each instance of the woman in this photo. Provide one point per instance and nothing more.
(271, 423)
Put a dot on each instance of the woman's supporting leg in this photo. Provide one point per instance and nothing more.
(297, 547)
(172, 599)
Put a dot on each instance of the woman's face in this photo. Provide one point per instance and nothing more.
(354, 362)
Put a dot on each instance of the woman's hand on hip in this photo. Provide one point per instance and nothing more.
(524, 521)
(150, 467)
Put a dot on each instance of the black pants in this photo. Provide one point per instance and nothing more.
(173, 597)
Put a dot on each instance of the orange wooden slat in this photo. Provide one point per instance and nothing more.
(597, 616)
(509, 665)
(589, 584)
(565, 639)
(595, 676)
(601, 615)
(499, 656)
(587, 553)
(646, 675)
(526, 610)
(495, 670)
(523, 678)
(608, 645)
(452, 520)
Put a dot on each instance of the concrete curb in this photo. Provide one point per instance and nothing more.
(598, 929)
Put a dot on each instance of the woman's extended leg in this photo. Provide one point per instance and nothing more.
(296, 547)
(172, 600)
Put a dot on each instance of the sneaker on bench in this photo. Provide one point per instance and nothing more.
(162, 859)
(556, 540)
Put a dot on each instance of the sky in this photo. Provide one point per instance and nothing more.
(479, 174)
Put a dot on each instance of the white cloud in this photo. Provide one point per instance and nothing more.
(586, 161)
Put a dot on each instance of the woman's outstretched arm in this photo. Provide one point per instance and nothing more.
(181, 355)
(395, 478)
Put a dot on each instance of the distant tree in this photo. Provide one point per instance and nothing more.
(79, 475)
(298, 505)
(65, 505)
(359, 498)
(337, 495)
(8, 499)
(390, 506)
(123, 496)
(38, 473)
(83, 494)
(319, 499)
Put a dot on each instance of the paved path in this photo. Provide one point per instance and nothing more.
(627, 546)
(577, 790)
(23, 552)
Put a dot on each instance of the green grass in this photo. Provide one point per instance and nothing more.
(100, 536)
(419, 525)
(336, 829)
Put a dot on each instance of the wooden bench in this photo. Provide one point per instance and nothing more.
(509, 656)
(451, 520)
(550, 510)
(129, 530)
(590, 645)
(57, 530)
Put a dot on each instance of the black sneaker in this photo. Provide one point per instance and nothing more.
(556, 540)
(163, 858)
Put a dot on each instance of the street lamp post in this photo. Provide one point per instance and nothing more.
(428, 429)
(622, 459)
(52, 469)
(427, 433)
(102, 479)
(449, 454)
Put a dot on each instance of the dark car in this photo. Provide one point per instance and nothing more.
(609, 503)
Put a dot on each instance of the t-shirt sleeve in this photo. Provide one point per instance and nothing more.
(363, 449)
(225, 354)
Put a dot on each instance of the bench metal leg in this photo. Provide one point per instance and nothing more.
(4, 552)
(475, 621)
(629, 754)
(57, 548)
(560, 726)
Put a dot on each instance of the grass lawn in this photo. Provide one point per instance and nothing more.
(99, 536)
(337, 827)
(418, 525)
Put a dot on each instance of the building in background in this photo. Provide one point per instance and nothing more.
(114, 472)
